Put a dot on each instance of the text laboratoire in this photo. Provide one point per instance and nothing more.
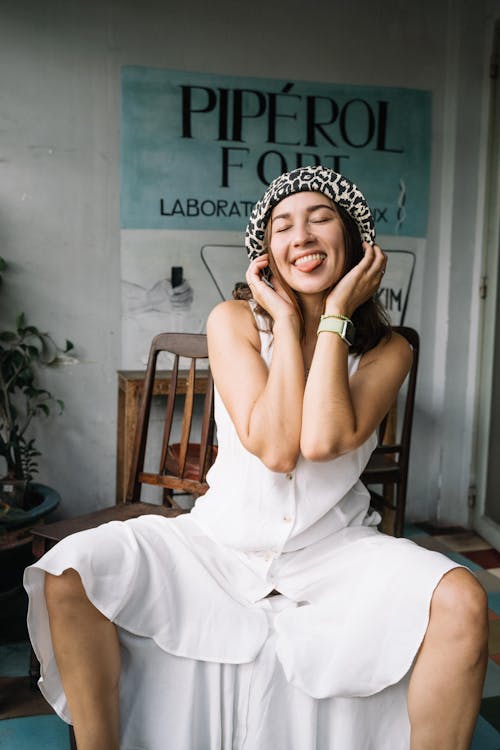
(208, 207)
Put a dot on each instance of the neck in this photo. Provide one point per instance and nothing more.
(312, 308)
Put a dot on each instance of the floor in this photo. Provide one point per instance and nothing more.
(27, 722)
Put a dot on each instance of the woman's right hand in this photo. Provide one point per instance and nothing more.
(273, 299)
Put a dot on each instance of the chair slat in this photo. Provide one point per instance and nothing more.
(207, 431)
(172, 482)
(169, 411)
(187, 419)
(393, 472)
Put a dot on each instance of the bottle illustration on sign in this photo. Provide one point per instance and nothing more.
(173, 294)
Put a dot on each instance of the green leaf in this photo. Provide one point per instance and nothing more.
(3, 264)
(44, 408)
(33, 352)
(69, 346)
(61, 404)
(20, 321)
(8, 336)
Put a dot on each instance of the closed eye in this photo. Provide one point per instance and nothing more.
(281, 227)
(318, 214)
(322, 213)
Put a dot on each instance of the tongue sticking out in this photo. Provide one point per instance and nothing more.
(309, 265)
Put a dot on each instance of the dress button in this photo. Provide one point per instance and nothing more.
(289, 476)
(288, 519)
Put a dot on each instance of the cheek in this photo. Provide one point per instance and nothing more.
(277, 254)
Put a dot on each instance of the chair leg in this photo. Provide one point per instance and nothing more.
(34, 670)
(169, 502)
(167, 498)
(72, 741)
(399, 520)
(388, 525)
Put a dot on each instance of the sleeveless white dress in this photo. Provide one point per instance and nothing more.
(209, 661)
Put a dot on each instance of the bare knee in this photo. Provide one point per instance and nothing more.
(460, 608)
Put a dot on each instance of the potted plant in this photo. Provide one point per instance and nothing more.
(23, 351)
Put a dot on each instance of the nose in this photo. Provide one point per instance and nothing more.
(301, 234)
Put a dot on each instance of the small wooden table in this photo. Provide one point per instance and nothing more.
(130, 387)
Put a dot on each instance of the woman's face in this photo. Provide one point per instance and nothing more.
(307, 242)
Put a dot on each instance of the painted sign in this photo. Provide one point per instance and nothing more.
(226, 264)
(197, 149)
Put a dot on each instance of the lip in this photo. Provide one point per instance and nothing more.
(308, 253)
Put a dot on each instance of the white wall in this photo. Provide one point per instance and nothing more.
(59, 191)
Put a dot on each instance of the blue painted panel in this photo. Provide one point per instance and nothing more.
(15, 659)
(40, 732)
(198, 149)
(494, 601)
(485, 736)
(492, 681)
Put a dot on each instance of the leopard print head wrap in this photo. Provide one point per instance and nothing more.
(316, 179)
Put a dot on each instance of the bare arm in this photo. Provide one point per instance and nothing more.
(339, 413)
(265, 406)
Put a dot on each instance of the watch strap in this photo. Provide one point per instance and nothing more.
(342, 326)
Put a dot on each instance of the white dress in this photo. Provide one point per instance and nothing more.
(209, 661)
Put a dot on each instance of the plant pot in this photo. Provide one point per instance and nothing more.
(39, 501)
(16, 539)
(13, 492)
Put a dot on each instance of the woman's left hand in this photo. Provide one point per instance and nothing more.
(359, 284)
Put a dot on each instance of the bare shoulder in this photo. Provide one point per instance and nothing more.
(232, 318)
(228, 312)
(237, 366)
(393, 351)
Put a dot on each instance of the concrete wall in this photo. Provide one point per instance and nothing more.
(59, 192)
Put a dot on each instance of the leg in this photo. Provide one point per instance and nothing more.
(88, 658)
(448, 675)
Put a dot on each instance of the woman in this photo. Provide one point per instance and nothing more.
(274, 615)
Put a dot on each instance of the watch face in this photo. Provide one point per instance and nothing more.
(349, 333)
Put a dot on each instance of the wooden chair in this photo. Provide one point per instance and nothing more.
(389, 463)
(182, 465)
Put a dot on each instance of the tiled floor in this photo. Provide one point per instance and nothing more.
(27, 723)
(468, 549)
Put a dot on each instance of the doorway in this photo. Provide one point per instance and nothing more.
(487, 509)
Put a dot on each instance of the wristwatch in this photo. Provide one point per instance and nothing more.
(341, 326)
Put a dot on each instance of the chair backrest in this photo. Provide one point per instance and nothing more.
(402, 444)
(389, 463)
(175, 467)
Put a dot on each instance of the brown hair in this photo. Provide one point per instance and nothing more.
(370, 320)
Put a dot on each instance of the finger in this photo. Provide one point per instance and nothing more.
(255, 268)
(368, 256)
(280, 289)
(262, 260)
(277, 285)
(378, 262)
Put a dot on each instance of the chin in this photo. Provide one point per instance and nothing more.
(313, 286)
